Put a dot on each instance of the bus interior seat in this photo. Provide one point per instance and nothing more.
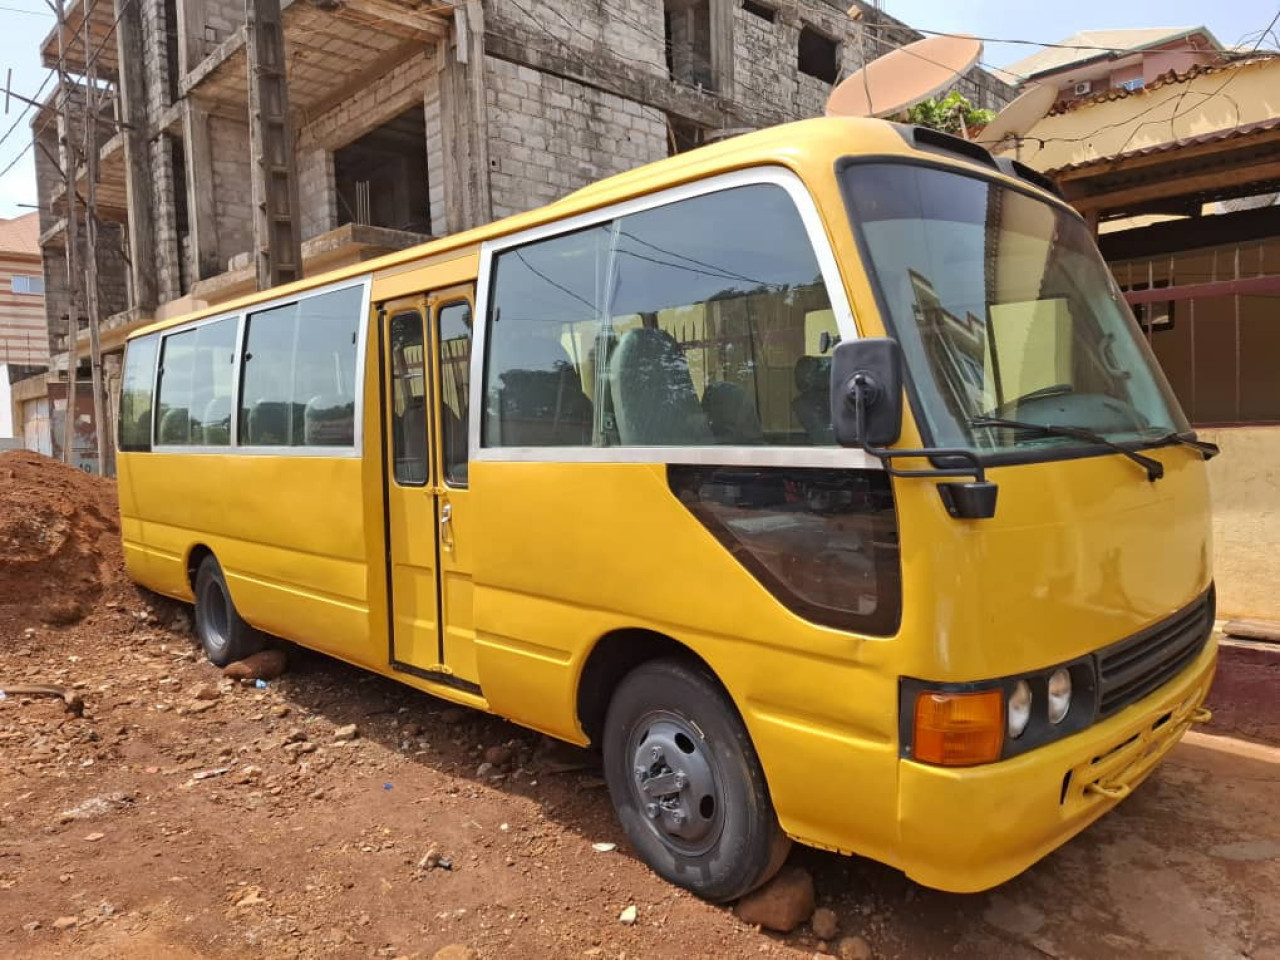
(329, 421)
(175, 426)
(731, 414)
(268, 424)
(541, 399)
(812, 404)
(216, 422)
(653, 395)
(412, 467)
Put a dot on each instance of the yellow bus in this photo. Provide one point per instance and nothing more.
(820, 478)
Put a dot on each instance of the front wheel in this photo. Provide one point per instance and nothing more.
(687, 784)
(223, 633)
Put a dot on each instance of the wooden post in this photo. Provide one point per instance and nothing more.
(91, 109)
(70, 166)
(276, 239)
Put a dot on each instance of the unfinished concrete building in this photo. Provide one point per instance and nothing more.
(411, 119)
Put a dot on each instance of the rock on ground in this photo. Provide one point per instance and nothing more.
(263, 665)
(825, 923)
(454, 951)
(853, 948)
(782, 904)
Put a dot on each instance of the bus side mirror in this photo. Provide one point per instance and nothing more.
(866, 392)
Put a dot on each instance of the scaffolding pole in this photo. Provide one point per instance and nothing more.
(70, 164)
(277, 241)
(91, 112)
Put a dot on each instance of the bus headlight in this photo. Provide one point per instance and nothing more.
(1059, 694)
(1018, 710)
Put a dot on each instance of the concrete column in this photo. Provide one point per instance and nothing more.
(202, 219)
(722, 46)
(137, 158)
(464, 121)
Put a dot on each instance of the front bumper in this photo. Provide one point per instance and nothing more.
(966, 830)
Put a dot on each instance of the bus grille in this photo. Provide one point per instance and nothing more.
(1133, 668)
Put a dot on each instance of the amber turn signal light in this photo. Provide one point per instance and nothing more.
(958, 729)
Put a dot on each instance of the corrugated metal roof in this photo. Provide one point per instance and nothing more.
(1213, 136)
(1087, 42)
(21, 235)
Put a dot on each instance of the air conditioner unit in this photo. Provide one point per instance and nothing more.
(1084, 88)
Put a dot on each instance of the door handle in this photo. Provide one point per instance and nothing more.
(446, 526)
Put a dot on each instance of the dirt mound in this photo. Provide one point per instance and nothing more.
(59, 541)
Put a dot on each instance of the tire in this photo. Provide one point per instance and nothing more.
(714, 832)
(223, 633)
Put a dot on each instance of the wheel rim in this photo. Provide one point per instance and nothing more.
(676, 783)
(215, 619)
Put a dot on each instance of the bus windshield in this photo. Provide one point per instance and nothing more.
(1005, 311)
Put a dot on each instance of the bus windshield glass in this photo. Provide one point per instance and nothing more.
(1005, 310)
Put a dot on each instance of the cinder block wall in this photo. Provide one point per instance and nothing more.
(629, 29)
(549, 136)
(232, 186)
(767, 57)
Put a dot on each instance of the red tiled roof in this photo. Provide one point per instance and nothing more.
(1169, 77)
(21, 235)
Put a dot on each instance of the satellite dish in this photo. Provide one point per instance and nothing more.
(903, 77)
(1020, 115)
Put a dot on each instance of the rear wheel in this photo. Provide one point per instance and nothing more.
(224, 635)
(687, 784)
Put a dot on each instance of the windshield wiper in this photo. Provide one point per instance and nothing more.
(1207, 450)
(1154, 468)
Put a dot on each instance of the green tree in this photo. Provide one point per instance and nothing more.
(947, 113)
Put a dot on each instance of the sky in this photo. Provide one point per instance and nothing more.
(25, 23)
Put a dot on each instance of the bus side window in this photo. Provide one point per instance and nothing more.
(298, 385)
(408, 400)
(173, 401)
(454, 321)
(702, 334)
(534, 389)
(136, 388)
(732, 299)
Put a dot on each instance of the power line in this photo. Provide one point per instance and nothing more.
(90, 61)
(20, 154)
(26, 109)
(29, 13)
(1028, 43)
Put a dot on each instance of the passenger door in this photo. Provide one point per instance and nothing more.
(452, 327)
(411, 516)
(426, 370)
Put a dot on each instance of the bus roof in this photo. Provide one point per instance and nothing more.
(802, 145)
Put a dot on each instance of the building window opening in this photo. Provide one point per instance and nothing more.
(688, 38)
(684, 135)
(760, 10)
(819, 55)
(381, 178)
